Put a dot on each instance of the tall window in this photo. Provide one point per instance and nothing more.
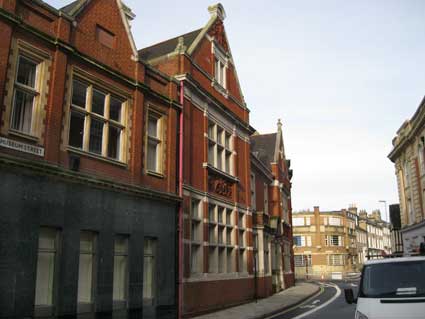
(266, 199)
(120, 271)
(220, 72)
(221, 240)
(26, 92)
(285, 207)
(266, 255)
(154, 142)
(220, 148)
(287, 257)
(196, 236)
(97, 121)
(149, 270)
(253, 203)
(86, 271)
(46, 267)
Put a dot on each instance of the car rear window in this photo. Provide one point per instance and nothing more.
(393, 280)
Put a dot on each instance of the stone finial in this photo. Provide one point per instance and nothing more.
(217, 10)
(180, 45)
(279, 125)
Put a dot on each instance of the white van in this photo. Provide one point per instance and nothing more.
(392, 288)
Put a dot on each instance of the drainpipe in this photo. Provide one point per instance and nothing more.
(180, 213)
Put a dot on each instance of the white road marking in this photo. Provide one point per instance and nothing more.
(338, 293)
(315, 302)
(308, 307)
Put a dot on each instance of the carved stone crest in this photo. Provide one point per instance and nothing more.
(220, 187)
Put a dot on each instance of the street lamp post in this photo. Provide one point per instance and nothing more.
(385, 204)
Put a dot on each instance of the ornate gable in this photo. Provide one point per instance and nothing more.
(217, 32)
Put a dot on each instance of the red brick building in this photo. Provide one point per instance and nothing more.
(271, 204)
(87, 163)
(218, 261)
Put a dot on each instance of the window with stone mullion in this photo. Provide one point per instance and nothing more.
(24, 95)
(96, 121)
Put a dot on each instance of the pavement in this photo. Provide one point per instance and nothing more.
(268, 306)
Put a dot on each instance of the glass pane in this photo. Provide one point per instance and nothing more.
(152, 156)
(45, 275)
(211, 148)
(76, 130)
(86, 242)
(96, 134)
(22, 111)
(148, 274)
(120, 278)
(115, 109)
(153, 126)
(98, 103)
(79, 91)
(148, 247)
(220, 159)
(228, 163)
(85, 277)
(114, 142)
(26, 72)
(121, 245)
(47, 239)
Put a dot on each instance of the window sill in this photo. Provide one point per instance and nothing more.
(221, 173)
(27, 137)
(43, 311)
(155, 174)
(95, 156)
(219, 88)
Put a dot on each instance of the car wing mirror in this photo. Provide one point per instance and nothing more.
(349, 296)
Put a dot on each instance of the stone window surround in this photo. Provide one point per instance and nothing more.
(76, 72)
(160, 114)
(43, 60)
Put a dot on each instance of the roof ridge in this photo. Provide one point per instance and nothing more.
(170, 39)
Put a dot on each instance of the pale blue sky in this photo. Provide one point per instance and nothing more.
(342, 75)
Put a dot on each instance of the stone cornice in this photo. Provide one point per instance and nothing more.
(55, 171)
(416, 124)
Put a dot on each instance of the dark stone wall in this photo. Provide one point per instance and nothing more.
(30, 201)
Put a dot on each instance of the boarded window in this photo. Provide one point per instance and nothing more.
(105, 37)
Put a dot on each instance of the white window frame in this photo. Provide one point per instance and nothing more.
(88, 115)
(298, 221)
(88, 306)
(335, 221)
(158, 140)
(47, 309)
(336, 260)
(149, 292)
(119, 303)
(220, 148)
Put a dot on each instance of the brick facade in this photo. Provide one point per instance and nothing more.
(106, 189)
